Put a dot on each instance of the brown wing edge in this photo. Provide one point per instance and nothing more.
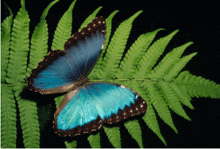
(98, 24)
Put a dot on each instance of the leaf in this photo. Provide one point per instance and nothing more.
(173, 72)
(114, 136)
(29, 120)
(116, 48)
(152, 55)
(167, 62)
(151, 120)
(172, 99)
(134, 129)
(159, 104)
(8, 118)
(39, 41)
(89, 18)
(19, 47)
(198, 86)
(5, 43)
(94, 140)
(63, 30)
(134, 55)
(72, 144)
(182, 95)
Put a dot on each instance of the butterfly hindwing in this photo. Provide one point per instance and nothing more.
(60, 70)
(94, 104)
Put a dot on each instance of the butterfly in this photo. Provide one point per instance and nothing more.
(86, 105)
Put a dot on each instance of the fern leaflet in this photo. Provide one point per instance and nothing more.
(114, 136)
(151, 56)
(116, 48)
(39, 41)
(64, 29)
(94, 140)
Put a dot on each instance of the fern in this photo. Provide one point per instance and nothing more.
(116, 48)
(94, 140)
(16, 74)
(113, 136)
(134, 129)
(161, 83)
(39, 40)
(64, 29)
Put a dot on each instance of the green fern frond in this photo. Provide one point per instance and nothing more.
(95, 70)
(172, 99)
(5, 43)
(72, 144)
(94, 140)
(108, 34)
(134, 129)
(64, 29)
(116, 48)
(134, 55)
(90, 18)
(174, 71)
(29, 120)
(39, 41)
(16, 71)
(198, 86)
(8, 118)
(159, 104)
(114, 136)
(151, 120)
(152, 55)
(167, 62)
(183, 96)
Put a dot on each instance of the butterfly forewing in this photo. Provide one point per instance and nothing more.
(60, 70)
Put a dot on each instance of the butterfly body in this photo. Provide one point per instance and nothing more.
(87, 105)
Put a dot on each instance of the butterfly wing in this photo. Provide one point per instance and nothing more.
(84, 110)
(59, 70)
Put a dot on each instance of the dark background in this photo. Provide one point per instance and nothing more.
(198, 21)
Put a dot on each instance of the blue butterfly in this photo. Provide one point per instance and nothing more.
(87, 104)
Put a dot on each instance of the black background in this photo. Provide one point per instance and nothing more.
(198, 21)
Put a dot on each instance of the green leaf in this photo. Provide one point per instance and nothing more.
(152, 55)
(134, 129)
(172, 99)
(94, 140)
(135, 54)
(198, 86)
(5, 43)
(63, 30)
(39, 41)
(8, 118)
(151, 120)
(19, 47)
(116, 48)
(174, 71)
(71, 144)
(114, 136)
(159, 104)
(29, 120)
(167, 62)
(89, 18)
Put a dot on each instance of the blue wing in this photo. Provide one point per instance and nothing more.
(85, 109)
(59, 70)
